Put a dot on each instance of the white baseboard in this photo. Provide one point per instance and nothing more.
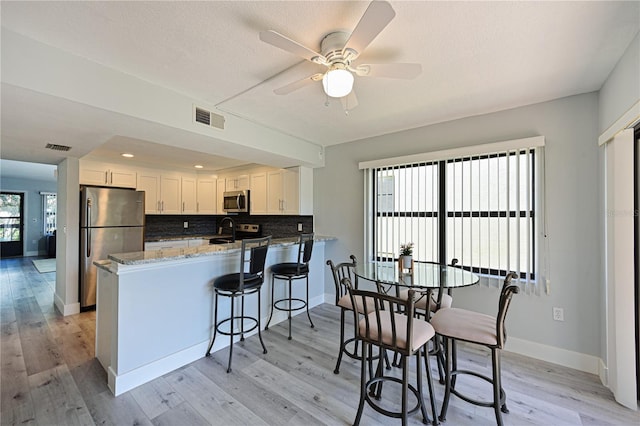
(32, 253)
(566, 358)
(70, 309)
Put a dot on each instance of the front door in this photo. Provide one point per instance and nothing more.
(11, 224)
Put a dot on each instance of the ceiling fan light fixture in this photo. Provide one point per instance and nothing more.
(337, 83)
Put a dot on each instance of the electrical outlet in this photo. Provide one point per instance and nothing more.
(299, 227)
(186, 225)
(558, 314)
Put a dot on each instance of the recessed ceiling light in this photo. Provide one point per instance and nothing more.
(198, 166)
(127, 155)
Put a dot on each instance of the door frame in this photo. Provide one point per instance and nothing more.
(23, 215)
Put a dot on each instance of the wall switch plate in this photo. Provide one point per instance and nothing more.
(186, 225)
(299, 227)
(558, 314)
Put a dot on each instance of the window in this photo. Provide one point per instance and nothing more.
(11, 205)
(477, 208)
(49, 210)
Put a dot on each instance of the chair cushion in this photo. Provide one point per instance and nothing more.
(465, 325)
(421, 300)
(345, 303)
(289, 268)
(231, 282)
(422, 331)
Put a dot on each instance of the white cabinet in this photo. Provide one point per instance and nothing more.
(105, 175)
(220, 196)
(206, 192)
(258, 194)
(237, 183)
(189, 195)
(163, 192)
(170, 194)
(149, 182)
(290, 191)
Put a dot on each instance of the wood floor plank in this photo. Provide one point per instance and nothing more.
(215, 404)
(109, 410)
(57, 400)
(156, 397)
(183, 414)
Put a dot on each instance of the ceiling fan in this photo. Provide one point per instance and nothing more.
(338, 52)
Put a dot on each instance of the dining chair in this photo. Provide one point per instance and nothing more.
(457, 324)
(291, 271)
(238, 285)
(391, 326)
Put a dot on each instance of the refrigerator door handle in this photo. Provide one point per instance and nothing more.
(89, 227)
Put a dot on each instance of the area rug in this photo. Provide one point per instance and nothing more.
(45, 265)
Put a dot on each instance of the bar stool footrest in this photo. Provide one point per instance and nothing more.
(303, 304)
(252, 320)
(395, 414)
(475, 401)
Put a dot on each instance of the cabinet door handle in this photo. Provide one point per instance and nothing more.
(162, 204)
(183, 206)
(106, 177)
(158, 205)
(111, 178)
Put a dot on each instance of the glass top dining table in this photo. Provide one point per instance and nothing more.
(424, 275)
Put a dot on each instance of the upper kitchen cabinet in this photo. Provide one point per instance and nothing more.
(206, 193)
(221, 186)
(237, 183)
(106, 175)
(189, 194)
(163, 192)
(258, 194)
(290, 191)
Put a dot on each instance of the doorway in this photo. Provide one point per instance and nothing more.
(11, 224)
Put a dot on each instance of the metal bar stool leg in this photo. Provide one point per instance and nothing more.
(231, 334)
(342, 345)
(215, 324)
(273, 301)
(497, 386)
(290, 301)
(447, 380)
(308, 316)
(242, 319)
(264, 348)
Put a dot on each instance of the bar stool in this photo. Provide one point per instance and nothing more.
(293, 271)
(241, 284)
(472, 327)
(391, 325)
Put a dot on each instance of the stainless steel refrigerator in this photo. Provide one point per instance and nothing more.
(111, 221)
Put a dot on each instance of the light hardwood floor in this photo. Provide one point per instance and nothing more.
(49, 376)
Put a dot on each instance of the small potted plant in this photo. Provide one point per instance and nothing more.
(406, 255)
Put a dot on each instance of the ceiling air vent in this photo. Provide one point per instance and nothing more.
(209, 118)
(55, 147)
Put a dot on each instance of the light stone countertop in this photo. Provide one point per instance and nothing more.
(155, 256)
(180, 237)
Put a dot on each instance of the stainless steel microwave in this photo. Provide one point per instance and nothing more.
(236, 202)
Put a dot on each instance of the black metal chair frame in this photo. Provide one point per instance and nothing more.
(499, 402)
(384, 302)
(299, 271)
(258, 248)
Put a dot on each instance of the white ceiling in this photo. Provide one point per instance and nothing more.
(477, 57)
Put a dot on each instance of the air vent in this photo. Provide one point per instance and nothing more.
(209, 118)
(55, 147)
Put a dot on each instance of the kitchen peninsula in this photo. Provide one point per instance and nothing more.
(154, 309)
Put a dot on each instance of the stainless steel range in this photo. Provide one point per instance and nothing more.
(238, 231)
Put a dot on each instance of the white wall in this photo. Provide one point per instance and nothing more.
(571, 130)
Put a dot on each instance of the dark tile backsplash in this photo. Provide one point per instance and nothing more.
(158, 226)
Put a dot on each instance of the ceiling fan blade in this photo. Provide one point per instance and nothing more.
(405, 71)
(375, 18)
(284, 90)
(285, 43)
(350, 101)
